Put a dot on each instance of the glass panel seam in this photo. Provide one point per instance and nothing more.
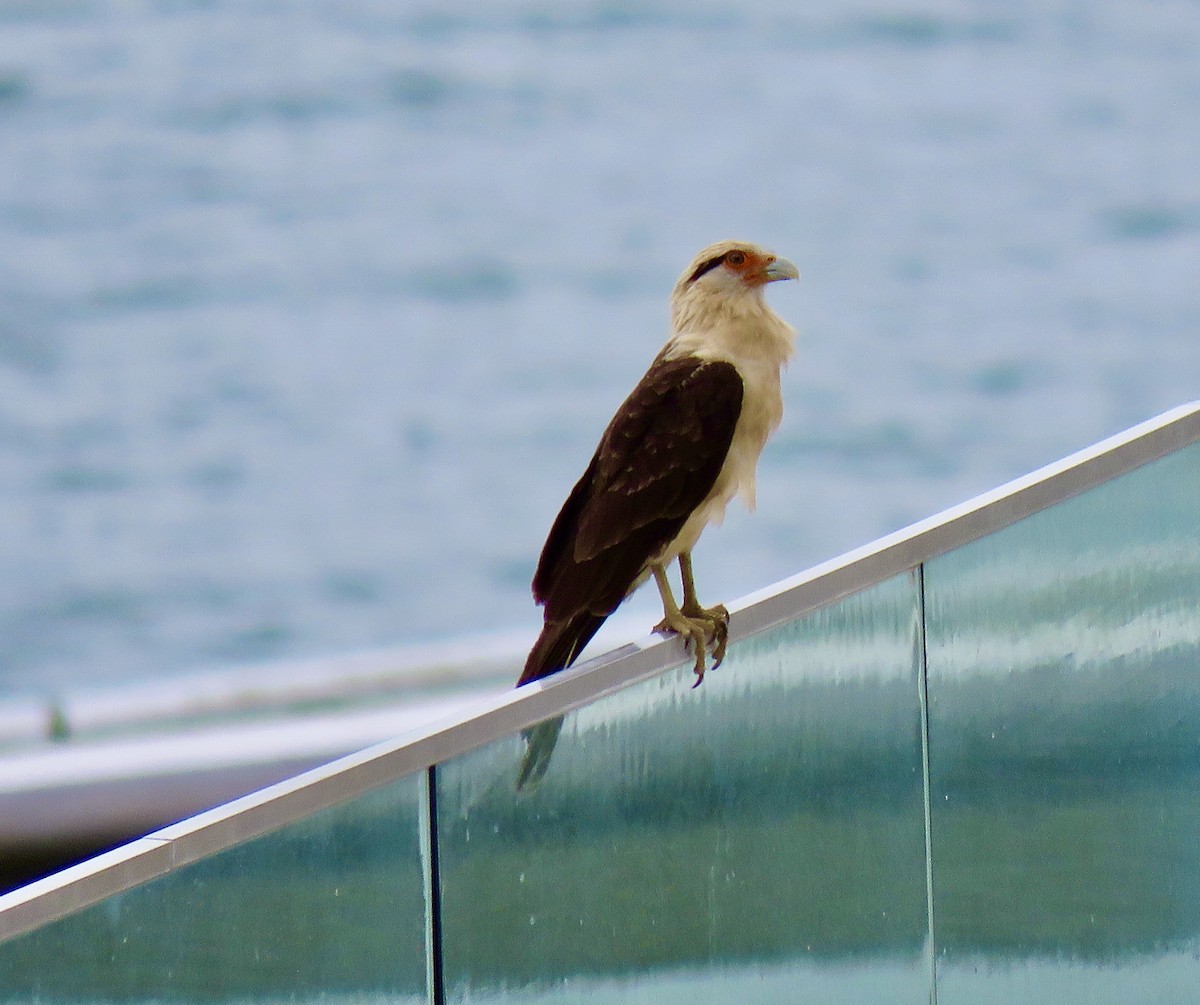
(434, 963)
(923, 691)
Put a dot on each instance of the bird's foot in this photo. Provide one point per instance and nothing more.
(700, 628)
(718, 618)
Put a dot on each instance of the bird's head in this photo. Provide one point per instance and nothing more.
(727, 276)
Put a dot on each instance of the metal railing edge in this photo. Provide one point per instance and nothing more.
(258, 813)
(968, 521)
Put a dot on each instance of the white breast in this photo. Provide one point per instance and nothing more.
(759, 347)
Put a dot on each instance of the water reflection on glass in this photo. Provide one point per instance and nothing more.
(330, 908)
(760, 838)
(1064, 685)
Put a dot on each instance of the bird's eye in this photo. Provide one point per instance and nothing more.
(736, 259)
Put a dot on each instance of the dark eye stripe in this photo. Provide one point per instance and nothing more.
(708, 266)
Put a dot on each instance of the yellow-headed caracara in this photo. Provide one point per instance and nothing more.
(682, 445)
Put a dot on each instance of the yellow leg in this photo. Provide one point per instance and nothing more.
(717, 617)
(698, 626)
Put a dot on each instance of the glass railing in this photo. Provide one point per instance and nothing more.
(1064, 738)
(960, 764)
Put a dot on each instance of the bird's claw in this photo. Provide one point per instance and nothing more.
(701, 628)
(720, 624)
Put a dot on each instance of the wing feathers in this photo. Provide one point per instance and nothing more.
(656, 462)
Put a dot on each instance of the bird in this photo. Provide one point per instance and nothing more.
(682, 446)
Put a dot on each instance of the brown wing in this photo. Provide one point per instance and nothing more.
(656, 462)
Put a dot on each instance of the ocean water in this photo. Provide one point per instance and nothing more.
(311, 312)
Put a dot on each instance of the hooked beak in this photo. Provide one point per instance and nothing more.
(780, 268)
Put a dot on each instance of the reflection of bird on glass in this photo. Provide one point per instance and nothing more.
(683, 444)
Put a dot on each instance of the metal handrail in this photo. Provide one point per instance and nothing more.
(205, 834)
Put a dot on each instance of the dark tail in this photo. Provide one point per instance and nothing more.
(559, 645)
(540, 741)
(556, 649)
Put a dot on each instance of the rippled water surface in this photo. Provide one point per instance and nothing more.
(311, 312)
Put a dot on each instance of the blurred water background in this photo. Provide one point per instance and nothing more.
(311, 312)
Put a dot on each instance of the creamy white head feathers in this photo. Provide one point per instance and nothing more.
(727, 278)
